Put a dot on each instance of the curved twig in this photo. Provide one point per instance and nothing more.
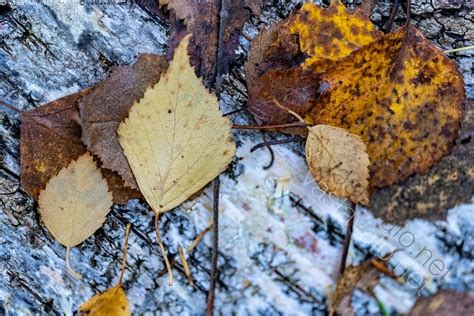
(277, 142)
(162, 248)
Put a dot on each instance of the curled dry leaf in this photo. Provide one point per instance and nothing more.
(448, 183)
(313, 37)
(51, 140)
(339, 162)
(402, 96)
(202, 19)
(175, 138)
(75, 202)
(112, 302)
(444, 303)
(107, 105)
(363, 277)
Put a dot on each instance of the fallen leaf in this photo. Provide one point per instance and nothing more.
(112, 302)
(75, 202)
(448, 183)
(402, 96)
(201, 18)
(445, 302)
(107, 105)
(50, 140)
(175, 138)
(363, 277)
(313, 37)
(339, 162)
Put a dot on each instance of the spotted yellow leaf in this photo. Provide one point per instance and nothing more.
(175, 138)
(112, 302)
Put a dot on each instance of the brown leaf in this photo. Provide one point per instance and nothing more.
(313, 37)
(201, 18)
(402, 96)
(448, 183)
(107, 105)
(443, 303)
(363, 277)
(339, 162)
(50, 141)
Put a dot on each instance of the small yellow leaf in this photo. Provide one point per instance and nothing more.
(75, 202)
(112, 302)
(339, 162)
(175, 138)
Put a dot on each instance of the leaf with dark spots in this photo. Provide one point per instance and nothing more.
(107, 105)
(51, 140)
(443, 303)
(448, 183)
(202, 19)
(295, 52)
(402, 96)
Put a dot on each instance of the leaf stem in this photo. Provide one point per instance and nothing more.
(162, 248)
(124, 258)
(68, 265)
(10, 107)
(215, 247)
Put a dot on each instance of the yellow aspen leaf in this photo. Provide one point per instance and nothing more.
(402, 96)
(75, 202)
(175, 138)
(339, 162)
(112, 302)
(330, 34)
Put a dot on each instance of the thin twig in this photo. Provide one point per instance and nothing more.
(257, 127)
(458, 49)
(10, 107)
(408, 12)
(277, 142)
(187, 272)
(235, 111)
(393, 13)
(347, 240)
(215, 247)
(270, 150)
(124, 257)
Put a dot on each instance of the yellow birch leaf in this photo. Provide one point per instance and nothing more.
(112, 302)
(175, 138)
(339, 162)
(75, 202)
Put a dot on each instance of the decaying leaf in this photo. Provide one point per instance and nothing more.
(339, 162)
(202, 19)
(107, 105)
(448, 183)
(444, 303)
(112, 302)
(75, 202)
(314, 37)
(363, 277)
(51, 140)
(175, 138)
(402, 96)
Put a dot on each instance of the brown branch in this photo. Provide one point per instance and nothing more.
(215, 247)
(347, 240)
(124, 258)
(261, 127)
(10, 107)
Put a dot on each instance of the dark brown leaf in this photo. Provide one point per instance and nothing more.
(444, 303)
(201, 18)
(107, 105)
(51, 140)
